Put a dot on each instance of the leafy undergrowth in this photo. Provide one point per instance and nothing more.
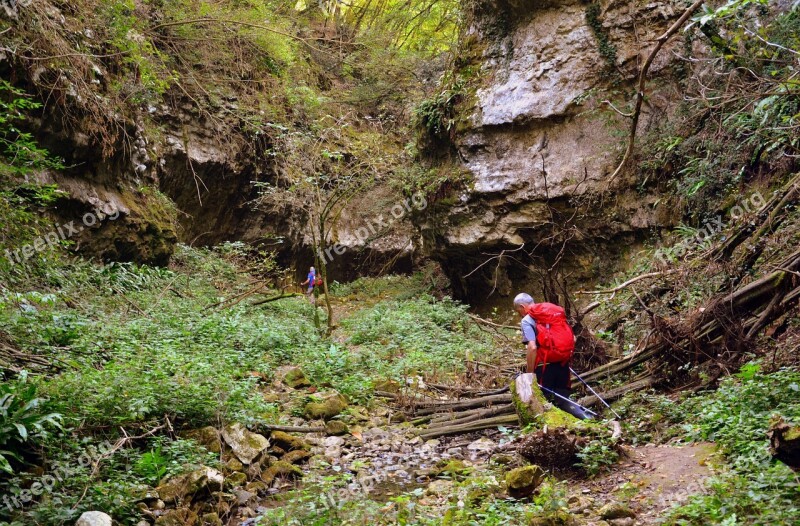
(135, 348)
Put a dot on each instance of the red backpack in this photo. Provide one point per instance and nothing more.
(553, 334)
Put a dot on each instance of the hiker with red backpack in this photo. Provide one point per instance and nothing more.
(549, 341)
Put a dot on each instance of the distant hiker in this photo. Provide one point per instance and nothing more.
(549, 341)
(311, 281)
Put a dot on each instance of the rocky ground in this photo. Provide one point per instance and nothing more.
(371, 457)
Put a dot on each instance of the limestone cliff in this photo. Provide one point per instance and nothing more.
(540, 143)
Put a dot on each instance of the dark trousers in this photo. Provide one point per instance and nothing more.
(555, 377)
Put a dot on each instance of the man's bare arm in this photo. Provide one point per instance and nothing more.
(531, 356)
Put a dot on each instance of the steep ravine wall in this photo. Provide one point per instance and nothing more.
(209, 170)
(534, 136)
(541, 145)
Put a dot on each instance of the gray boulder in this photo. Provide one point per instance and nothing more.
(245, 444)
(94, 518)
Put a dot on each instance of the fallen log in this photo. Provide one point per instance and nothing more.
(428, 409)
(770, 216)
(623, 364)
(290, 429)
(468, 391)
(754, 298)
(469, 427)
(449, 416)
(483, 413)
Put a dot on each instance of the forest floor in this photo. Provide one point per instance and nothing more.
(183, 378)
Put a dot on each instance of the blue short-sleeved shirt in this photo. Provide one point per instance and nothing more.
(311, 277)
(528, 326)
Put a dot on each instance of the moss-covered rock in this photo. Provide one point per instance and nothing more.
(233, 464)
(208, 437)
(336, 428)
(256, 487)
(288, 442)
(235, 479)
(522, 482)
(187, 485)
(296, 456)
(281, 469)
(455, 469)
(388, 386)
(327, 408)
(178, 517)
(291, 376)
(554, 518)
(616, 510)
(210, 519)
(503, 459)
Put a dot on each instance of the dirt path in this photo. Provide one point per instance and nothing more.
(650, 480)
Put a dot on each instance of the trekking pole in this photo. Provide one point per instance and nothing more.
(573, 402)
(589, 387)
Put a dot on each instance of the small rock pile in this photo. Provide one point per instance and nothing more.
(252, 465)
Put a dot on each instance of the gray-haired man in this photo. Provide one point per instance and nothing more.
(552, 375)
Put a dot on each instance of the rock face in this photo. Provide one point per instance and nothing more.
(534, 131)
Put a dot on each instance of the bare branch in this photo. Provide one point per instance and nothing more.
(629, 282)
(660, 41)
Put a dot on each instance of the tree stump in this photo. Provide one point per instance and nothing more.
(532, 407)
(784, 441)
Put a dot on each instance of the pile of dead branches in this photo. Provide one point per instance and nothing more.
(721, 330)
